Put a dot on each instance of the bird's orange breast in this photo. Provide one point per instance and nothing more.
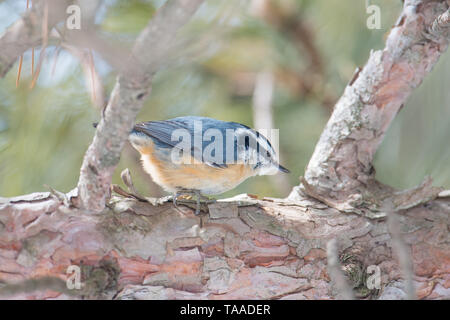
(198, 176)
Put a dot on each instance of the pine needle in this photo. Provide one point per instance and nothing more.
(44, 46)
(19, 71)
(92, 67)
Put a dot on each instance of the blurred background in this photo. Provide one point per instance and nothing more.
(279, 63)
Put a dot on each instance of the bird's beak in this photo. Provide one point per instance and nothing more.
(283, 169)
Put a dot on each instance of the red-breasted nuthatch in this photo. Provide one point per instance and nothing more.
(198, 155)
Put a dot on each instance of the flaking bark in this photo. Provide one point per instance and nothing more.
(247, 249)
(340, 170)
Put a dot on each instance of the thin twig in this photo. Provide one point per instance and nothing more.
(58, 50)
(19, 71)
(93, 73)
(44, 45)
(32, 51)
(27, 33)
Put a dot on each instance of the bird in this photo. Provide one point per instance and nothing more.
(201, 156)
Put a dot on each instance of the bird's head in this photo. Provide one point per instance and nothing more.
(256, 150)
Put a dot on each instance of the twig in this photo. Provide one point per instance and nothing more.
(55, 61)
(43, 49)
(26, 32)
(19, 71)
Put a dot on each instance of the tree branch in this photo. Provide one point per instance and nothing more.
(127, 98)
(341, 166)
(242, 249)
(26, 32)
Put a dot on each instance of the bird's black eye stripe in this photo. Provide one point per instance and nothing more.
(247, 142)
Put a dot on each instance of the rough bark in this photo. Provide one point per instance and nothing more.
(340, 168)
(242, 249)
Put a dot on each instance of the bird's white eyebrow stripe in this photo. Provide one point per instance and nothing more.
(259, 138)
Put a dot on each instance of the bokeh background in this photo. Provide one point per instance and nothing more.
(304, 51)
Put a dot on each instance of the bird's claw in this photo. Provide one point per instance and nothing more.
(199, 199)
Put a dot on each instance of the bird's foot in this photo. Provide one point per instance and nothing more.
(188, 197)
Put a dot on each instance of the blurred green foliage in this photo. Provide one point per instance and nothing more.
(129, 16)
(45, 131)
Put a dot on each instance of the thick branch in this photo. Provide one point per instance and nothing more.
(242, 249)
(127, 98)
(341, 165)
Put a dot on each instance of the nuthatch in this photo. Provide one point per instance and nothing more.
(202, 156)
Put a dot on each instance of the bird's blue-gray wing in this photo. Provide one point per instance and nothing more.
(162, 133)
